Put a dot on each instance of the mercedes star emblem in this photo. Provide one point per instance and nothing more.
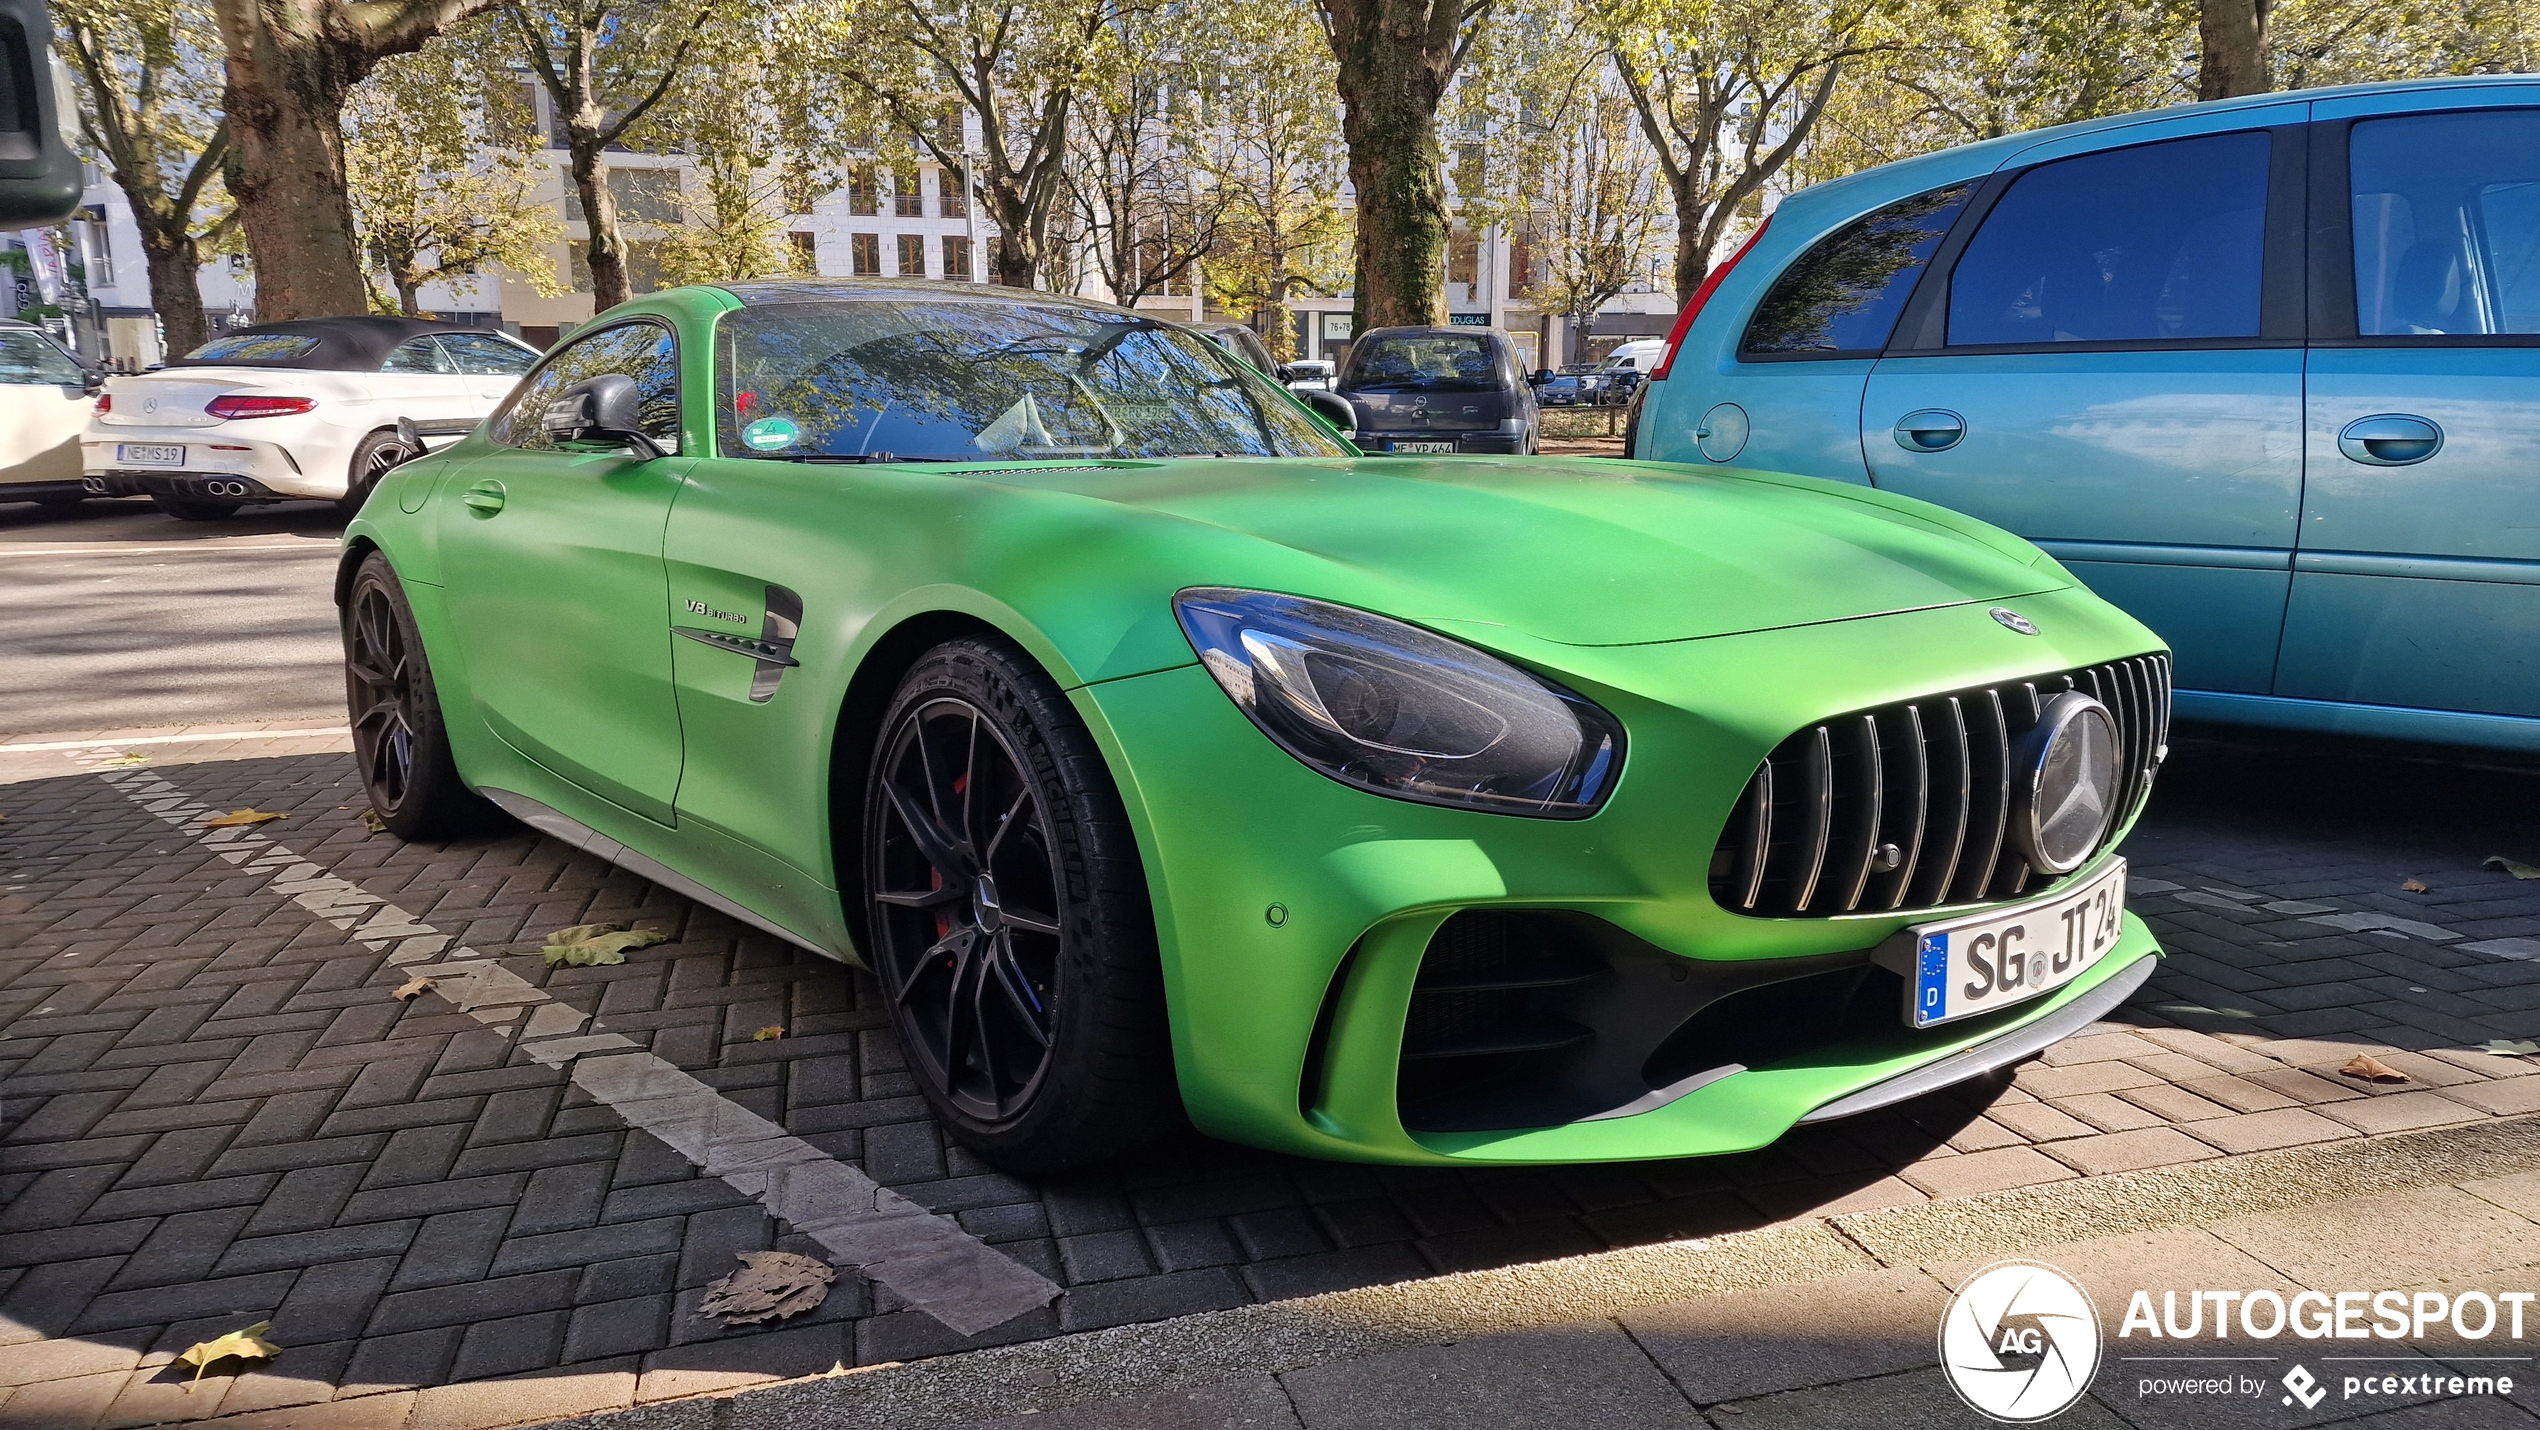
(2013, 620)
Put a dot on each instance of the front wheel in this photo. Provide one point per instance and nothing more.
(399, 740)
(1008, 916)
(186, 510)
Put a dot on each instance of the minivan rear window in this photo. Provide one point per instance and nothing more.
(2447, 224)
(1844, 295)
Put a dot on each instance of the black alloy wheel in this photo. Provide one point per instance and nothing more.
(399, 742)
(1007, 917)
(379, 454)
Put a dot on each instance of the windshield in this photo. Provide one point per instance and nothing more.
(1424, 362)
(29, 358)
(972, 381)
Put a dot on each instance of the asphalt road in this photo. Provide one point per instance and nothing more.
(113, 616)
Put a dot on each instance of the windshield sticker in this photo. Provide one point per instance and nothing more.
(770, 434)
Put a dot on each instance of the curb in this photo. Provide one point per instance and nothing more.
(1194, 1351)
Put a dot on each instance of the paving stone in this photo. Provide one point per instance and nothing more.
(1994, 1171)
(2264, 1131)
(2403, 1112)
(1588, 1376)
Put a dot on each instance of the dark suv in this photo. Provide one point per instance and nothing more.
(1421, 390)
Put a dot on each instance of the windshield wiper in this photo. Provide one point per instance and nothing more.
(857, 458)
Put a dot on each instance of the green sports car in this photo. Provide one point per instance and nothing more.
(1154, 748)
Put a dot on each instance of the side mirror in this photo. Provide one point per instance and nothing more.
(92, 380)
(1333, 408)
(601, 410)
(409, 438)
(39, 175)
(1284, 373)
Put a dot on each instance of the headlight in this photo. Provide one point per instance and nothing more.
(1400, 712)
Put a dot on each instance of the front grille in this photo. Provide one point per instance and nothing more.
(1908, 806)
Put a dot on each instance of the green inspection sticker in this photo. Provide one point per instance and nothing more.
(770, 434)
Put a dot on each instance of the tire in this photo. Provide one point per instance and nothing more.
(379, 453)
(399, 740)
(1023, 982)
(186, 510)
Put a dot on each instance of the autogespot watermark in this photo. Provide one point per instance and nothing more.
(2021, 1342)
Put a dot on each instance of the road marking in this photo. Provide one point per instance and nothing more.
(928, 1260)
(308, 548)
(211, 738)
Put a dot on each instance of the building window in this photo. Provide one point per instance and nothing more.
(864, 191)
(907, 197)
(642, 195)
(868, 254)
(912, 255)
(956, 256)
(950, 201)
(804, 249)
(1521, 263)
(1464, 257)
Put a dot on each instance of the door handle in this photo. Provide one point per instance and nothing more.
(1931, 430)
(485, 496)
(2390, 439)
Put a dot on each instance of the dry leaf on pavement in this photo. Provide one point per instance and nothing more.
(586, 944)
(2412, 886)
(771, 1286)
(2515, 867)
(413, 988)
(249, 1344)
(768, 1034)
(372, 822)
(127, 761)
(2371, 1069)
(238, 817)
(2510, 1047)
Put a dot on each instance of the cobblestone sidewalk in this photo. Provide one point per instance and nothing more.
(215, 1113)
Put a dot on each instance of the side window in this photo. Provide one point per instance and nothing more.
(2151, 244)
(417, 355)
(643, 351)
(1844, 295)
(488, 356)
(2447, 223)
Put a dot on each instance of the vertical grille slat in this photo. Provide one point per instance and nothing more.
(1870, 779)
(1931, 776)
(1817, 809)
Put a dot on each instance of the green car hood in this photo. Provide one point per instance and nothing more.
(1583, 551)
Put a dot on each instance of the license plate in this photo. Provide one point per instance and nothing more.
(150, 454)
(1423, 447)
(1987, 961)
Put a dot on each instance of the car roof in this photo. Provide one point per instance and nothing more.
(347, 344)
(762, 292)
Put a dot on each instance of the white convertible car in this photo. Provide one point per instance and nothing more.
(43, 409)
(294, 410)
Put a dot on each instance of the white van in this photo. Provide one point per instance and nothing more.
(1636, 357)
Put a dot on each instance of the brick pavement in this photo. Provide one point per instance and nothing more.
(215, 1114)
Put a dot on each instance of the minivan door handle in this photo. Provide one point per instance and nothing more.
(2390, 439)
(1931, 430)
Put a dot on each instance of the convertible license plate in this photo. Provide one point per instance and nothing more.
(150, 454)
(1422, 447)
(1975, 965)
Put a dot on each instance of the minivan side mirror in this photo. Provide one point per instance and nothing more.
(1333, 408)
(601, 410)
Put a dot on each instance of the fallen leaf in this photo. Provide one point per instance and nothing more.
(372, 822)
(128, 761)
(2510, 1047)
(586, 944)
(2201, 1008)
(2412, 886)
(2515, 867)
(768, 1034)
(2367, 1068)
(771, 1286)
(414, 987)
(238, 817)
(249, 1344)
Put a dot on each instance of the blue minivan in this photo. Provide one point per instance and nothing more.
(2265, 372)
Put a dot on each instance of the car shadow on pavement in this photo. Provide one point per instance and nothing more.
(213, 1110)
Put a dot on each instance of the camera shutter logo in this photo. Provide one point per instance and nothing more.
(2019, 1342)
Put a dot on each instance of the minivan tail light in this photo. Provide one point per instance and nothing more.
(1702, 295)
(236, 405)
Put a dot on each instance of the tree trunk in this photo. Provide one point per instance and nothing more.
(2234, 57)
(1393, 71)
(605, 252)
(285, 100)
(1693, 248)
(176, 291)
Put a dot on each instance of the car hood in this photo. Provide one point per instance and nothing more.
(1575, 551)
